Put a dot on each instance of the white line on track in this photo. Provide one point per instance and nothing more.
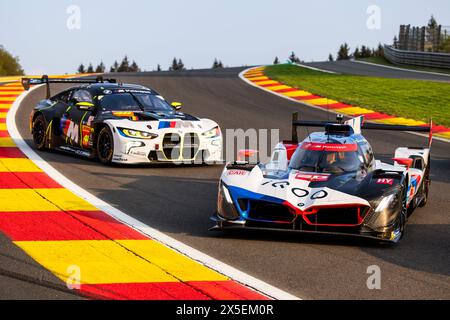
(314, 68)
(241, 75)
(200, 257)
(401, 69)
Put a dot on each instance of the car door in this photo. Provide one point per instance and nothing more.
(76, 122)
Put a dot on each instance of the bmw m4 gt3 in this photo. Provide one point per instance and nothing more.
(121, 123)
(329, 183)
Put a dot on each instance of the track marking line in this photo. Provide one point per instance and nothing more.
(402, 69)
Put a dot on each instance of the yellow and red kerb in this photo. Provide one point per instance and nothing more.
(60, 230)
(257, 77)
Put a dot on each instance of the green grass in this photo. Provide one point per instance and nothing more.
(414, 99)
(383, 61)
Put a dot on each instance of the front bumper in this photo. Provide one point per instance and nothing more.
(221, 224)
(141, 151)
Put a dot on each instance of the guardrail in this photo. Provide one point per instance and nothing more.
(417, 58)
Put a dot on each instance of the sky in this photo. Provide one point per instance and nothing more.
(48, 37)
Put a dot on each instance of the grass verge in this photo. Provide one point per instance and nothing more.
(414, 99)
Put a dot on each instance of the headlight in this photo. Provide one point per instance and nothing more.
(227, 194)
(385, 202)
(225, 206)
(130, 133)
(213, 133)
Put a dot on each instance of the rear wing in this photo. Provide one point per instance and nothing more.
(27, 82)
(356, 124)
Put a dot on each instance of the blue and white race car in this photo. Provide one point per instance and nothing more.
(328, 183)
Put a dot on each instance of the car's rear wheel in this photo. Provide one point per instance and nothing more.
(39, 132)
(105, 146)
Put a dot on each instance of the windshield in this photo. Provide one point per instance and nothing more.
(133, 102)
(305, 159)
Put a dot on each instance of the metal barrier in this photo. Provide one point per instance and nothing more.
(417, 58)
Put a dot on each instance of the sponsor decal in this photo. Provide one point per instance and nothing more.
(126, 114)
(132, 91)
(336, 147)
(388, 181)
(236, 173)
(86, 132)
(70, 129)
(312, 177)
(138, 153)
(175, 124)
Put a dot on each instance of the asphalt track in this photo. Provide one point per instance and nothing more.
(363, 69)
(179, 200)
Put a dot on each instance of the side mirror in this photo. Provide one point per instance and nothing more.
(176, 105)
(85, 106)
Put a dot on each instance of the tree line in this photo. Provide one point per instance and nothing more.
(291, 59)
(344, 52)
(125, 66)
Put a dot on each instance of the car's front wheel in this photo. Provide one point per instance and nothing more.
(402, 217)
(105, 145)
(39, 132)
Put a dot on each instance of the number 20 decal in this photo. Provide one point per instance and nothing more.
(301, 193)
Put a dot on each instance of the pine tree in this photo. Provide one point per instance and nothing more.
(90, 68)
(124, 65)
(100, 68)
(365, 52)
(114, 67)
(356, 53)
(432, 23)
(81, 69)
(174, 65)
(134, 67)
(343, 53)
(158, 68)
(330, 57)
(220, 64)
(380, 51)
(215, 64)
(293, 58)
(276, 61)
(395, 42)
(181, 65)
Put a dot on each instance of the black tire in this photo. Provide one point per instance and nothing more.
(426, 189)
(402, 217)
(39, 132)
(105, 146)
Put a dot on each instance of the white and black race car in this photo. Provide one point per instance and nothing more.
(329, 183)
(121, 123)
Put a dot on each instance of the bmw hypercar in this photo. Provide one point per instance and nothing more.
(328, 183)
(121, 123)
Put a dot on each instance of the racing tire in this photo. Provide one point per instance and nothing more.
(39, 132)
(105, 146)
(426, 188)
(402, 217)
